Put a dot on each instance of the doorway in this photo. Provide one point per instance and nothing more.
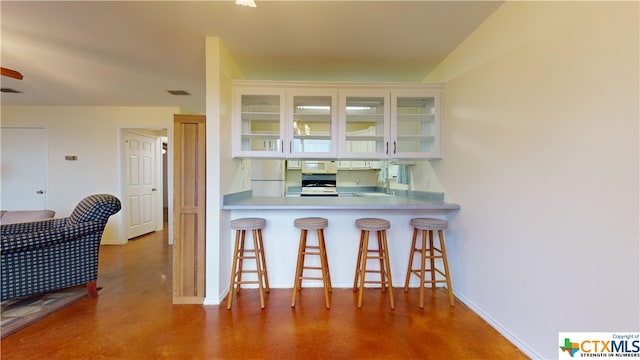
(24, 173)
(143, 178)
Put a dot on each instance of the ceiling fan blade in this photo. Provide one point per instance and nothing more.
(11, 73)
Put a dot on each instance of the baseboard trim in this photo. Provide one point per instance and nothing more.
(499, 328)
(219, 299)
(209, 301)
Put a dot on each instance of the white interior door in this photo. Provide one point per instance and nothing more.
(23, 182)
(140, 181)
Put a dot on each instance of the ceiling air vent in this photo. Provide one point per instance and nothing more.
(10, 91)
(178, 92)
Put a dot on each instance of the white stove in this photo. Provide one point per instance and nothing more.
(318, 185)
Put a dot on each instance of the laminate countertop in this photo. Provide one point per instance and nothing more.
(334, 203)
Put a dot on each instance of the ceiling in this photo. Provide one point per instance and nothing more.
(124, 53)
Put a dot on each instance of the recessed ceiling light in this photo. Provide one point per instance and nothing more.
(249, 3)
(178, 92)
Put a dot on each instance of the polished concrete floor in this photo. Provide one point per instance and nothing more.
(133, 318)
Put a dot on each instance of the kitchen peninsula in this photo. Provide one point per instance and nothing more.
(333, 136)
(341, 236)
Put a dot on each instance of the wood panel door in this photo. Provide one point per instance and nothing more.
(189, 209)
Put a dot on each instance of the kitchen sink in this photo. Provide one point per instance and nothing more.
(372, 194)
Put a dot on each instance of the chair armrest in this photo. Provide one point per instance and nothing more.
(32, 226)
(45, 238)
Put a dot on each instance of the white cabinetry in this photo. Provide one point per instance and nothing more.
(364, 124)
(354, 165)
(258, 122)
(397, 124)
(272, 120)
(415, 125)
(351, 122)
(311, 123)
(294, 164)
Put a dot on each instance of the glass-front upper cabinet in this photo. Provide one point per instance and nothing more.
(364, 125)
(258, 124)
(311, 124)
(301, 120)
(415, 130)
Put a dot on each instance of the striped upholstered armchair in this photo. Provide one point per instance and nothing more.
(48, 255)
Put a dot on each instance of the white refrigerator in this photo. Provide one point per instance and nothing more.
(267, 177)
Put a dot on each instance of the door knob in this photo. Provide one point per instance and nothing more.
(39, 192)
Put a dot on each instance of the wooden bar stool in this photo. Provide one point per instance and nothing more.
(381, 254)
(240, 253)
(304, 249)
(428, 251)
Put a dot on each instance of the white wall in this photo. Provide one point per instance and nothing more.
(541, 152)
(93, 134)
(356, 178)
(222, 171)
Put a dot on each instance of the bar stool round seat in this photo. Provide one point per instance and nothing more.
(304, 249)
(427, 226)
(248, 224)
(311, 223)
(372, 224)
(379, 254)
(240, 253)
